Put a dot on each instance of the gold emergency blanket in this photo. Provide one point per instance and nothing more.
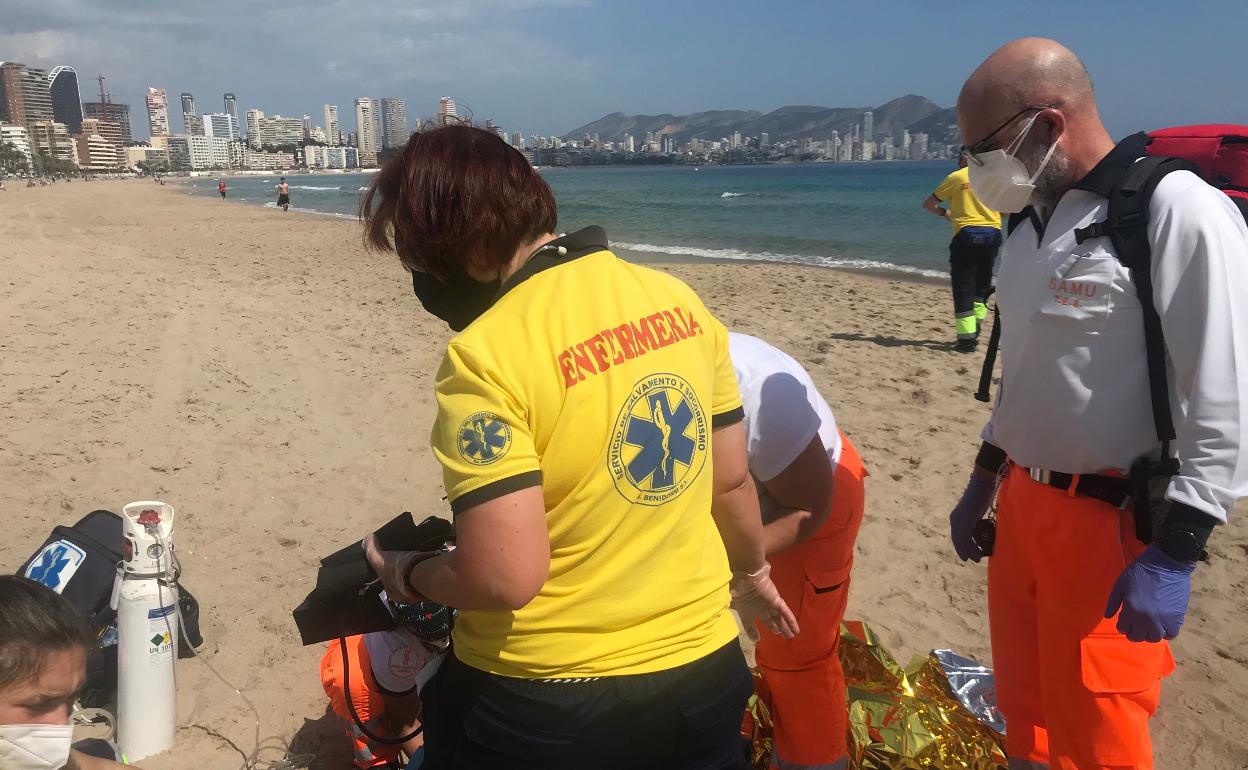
(907, 718)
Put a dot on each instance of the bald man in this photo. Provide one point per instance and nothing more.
(1079, 609)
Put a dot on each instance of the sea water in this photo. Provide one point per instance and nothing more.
(853, 215)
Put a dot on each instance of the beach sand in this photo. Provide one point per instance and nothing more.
(265, 375)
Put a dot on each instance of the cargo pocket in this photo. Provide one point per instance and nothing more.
(1111, 664)
(1123, 678)
(823, 604)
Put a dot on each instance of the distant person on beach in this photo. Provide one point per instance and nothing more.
(283, 194)
(221, 188)
(590, 431)
(810, 487)
(972, 252)
(44, 641)
(1079, 607)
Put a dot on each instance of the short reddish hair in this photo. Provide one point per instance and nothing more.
(455, 196)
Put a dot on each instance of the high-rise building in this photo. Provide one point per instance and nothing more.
(517, 140)
(222, 125)
(446, 111)
(630, 143)
(189, 114)
(158, 111)
(50, 141)
(764, 140)
(273, 132)
(24, 94)
(231, 106)
(18, 138)
(98, 148)
(868, 126)
(196, 152)
(111, 112)
(394, 131)
(110, 131)
(366, 119)
(66, 101)
(331, 157)
(332, 132)
(253, 128)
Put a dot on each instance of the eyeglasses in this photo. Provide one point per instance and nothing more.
(981, 146)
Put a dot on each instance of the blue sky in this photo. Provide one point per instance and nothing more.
(547, 66)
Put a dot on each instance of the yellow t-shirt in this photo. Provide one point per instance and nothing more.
(964, 208)
(600, 381)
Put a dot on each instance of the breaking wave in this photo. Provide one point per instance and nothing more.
(791, 259)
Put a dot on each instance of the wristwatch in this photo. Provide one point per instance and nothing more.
(1182, 545)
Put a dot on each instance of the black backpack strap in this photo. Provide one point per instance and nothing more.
(990, 358)
(1127, 228)
(984, 393)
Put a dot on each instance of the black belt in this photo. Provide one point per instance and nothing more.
(1108, 489)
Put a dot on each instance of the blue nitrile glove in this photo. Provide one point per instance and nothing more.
(1152, 591)
(973, 506)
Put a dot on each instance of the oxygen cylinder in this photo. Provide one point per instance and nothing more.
(146, 599)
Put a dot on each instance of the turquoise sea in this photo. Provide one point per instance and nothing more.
(852, 215)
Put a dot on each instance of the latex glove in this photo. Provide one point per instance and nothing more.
(393, 568)
(973, 506)
(755, 598)
(1152, 591)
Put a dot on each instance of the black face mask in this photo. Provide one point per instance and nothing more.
(458, 301)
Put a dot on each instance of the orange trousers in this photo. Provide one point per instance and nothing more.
(1075, 693)
(803, 684)
(369, 704)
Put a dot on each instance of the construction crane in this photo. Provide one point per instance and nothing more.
(103, 96)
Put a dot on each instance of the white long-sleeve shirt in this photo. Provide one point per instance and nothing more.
(1074, 395)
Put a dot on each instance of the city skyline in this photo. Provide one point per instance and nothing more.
(508, 59)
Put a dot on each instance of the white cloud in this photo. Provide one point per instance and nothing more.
(294, 57)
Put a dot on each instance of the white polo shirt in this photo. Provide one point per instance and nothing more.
(1074, 394)
(783, 410)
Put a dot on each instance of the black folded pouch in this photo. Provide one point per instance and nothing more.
(347, 598)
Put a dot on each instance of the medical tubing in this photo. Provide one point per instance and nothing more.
(251, 761)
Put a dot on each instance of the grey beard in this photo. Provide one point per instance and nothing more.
(1054, 181)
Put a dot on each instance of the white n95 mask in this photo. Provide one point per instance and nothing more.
(1000, 180)
(35, 747)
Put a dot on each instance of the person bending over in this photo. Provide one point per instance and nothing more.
(810, 488)
(382, 680)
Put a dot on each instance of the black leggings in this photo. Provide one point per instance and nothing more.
(686, 718)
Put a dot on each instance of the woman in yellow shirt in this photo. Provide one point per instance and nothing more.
(589, 429)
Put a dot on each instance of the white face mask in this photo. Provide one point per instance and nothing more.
(35, 747)
(999, 179)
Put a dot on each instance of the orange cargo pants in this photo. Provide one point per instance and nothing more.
(1075, 693)
(369, 703)
(803, 685)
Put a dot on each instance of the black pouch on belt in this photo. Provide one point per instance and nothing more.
(1149, 479)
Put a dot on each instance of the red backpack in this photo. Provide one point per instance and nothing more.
(1219, 155)
(1219, 152)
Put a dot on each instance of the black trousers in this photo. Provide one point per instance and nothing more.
(686, 718)
(972, 254)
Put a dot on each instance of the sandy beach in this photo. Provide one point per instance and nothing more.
(272, 380)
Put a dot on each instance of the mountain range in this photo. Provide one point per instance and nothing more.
(916, 113)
